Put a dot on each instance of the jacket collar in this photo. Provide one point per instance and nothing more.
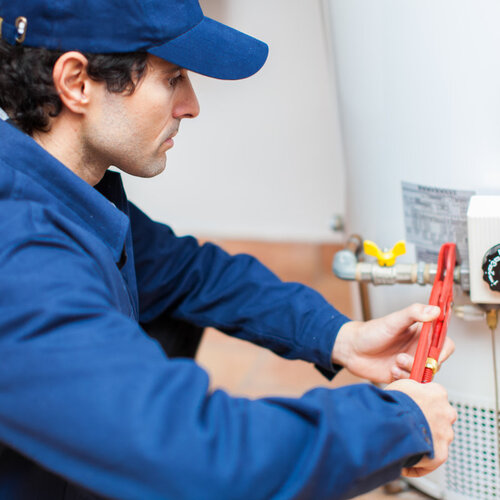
(100, 214)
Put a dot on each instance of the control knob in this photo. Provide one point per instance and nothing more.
(491, 268)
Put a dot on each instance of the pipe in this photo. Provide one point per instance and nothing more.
(347, 266)
(346, 270)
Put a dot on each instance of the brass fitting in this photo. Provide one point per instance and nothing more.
(432, 364)
(492, 319)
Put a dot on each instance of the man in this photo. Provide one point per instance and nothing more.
(90, 406)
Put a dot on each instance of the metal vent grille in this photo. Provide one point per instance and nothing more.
(472, 466)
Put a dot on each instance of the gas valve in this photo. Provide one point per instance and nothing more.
(385, 257)
(491, 268)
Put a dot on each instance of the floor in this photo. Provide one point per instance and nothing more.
(246, 370)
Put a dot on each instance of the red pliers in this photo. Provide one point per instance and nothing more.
(433, 333)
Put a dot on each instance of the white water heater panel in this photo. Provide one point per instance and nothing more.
(483, 221)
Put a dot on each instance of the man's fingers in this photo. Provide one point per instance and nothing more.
(447, 351)
(402, 368)
(414, 472)
(400, 320)
(404, 361)
(398, 374)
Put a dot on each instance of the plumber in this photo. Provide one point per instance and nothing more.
(91, 406)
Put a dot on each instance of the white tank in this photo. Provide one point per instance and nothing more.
(419, 95)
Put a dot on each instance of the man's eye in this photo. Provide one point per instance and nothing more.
(175, 80)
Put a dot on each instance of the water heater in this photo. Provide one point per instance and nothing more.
(418, 85)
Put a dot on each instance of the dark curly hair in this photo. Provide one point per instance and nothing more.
(27, 92)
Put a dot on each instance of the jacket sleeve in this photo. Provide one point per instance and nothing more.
(235, 294)
(85, 393)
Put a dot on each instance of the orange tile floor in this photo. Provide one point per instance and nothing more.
(246, 370)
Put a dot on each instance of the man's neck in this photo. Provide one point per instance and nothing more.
(63, 142)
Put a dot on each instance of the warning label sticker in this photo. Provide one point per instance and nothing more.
(434, 216)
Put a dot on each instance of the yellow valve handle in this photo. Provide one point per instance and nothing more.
(387, 258)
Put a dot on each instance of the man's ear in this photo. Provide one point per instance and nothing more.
(72, 82)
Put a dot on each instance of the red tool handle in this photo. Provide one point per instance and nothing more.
(433, 333)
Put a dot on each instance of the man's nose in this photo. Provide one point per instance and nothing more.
(187, 105)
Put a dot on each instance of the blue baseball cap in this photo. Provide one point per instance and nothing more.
(175, 30)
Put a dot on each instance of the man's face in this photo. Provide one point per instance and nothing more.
(133, 132)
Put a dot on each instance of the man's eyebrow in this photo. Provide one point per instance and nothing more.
(172, 69)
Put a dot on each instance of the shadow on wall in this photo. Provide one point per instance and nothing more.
(217, 9)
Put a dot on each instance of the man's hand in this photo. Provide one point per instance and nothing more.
(440, 415)
(382, 350)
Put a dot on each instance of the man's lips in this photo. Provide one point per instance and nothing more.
(169, 141)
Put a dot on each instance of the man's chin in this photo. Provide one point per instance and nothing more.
(146, 171)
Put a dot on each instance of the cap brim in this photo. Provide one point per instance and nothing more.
(216, 50)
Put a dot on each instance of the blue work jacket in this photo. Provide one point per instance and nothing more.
(91, 405)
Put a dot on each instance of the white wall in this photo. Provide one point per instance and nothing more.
(263, 160)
